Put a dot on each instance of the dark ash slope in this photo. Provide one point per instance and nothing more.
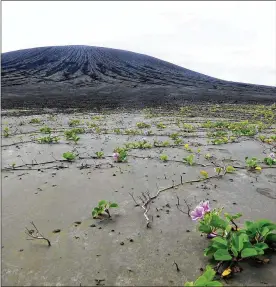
(84, 76)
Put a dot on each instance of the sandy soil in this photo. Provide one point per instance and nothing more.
(122, 250)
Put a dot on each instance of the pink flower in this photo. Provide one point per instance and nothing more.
(272, 155)
(115, 156)
(197, 213)
(205, 205)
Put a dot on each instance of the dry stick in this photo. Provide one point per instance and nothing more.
(188, 206)
(136, 203)
(38, 235)
(176, 265)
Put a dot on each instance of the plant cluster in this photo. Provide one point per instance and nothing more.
(45, 130)
(252, 163)
(157, 143)
(270, 159)
(6, 132)
(35, 121)
(164, 157)
(189, 159)
(144, 144)
(269, 140)
(229, 243)
(103, 206)
(120, 154)
(132, 132)
(142, 125)
(69, 156)
(48, 139)
(160, 125)
(99, 154)
(74, 122)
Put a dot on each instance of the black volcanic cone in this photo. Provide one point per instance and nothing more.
(84, 76)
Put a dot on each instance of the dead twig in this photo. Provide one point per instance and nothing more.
(176, 265)
(188, 206)
(35, 234)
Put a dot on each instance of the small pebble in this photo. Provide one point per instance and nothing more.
(100, 227)
(187, 230)
(122, 243)
(21, 250)
(56, 231)
(131, 240)
(93, 225)
(114, 174)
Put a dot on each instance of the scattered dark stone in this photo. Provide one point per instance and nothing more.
(36, 193)
(169, 254)
(112, 230)
(20, 178)
(234, 203)
(122, 243)
(131, 240)
(158, 215)
(167, 211)
(214, 200)
(168, 205)
(56, 230)
(188, 230)
(21, 250)
(114, 174)
(100, 227)
(77, 222)
(54, 185)
(128, 269)
(115, 190)
(201, 269)
(2, 246)
(77, 237)
(98, 255)
(231, 179)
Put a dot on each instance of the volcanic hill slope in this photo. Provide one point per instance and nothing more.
(85, 76)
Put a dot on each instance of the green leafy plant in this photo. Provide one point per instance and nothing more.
(142, 125)
(48, 139)
(207, 156)
(46, 130)
(103, 206)
(204, 174)
(187, 148)
(174, 136)
(120, 154)
(270, 159)
(230, 169)
(178, 141)
(35, 121)
(160, 125)
(218, 170)
(206, 279)
(117, 131)
(164, 157)
(99, 154)
(6, 132)
(160, 143)
(69, 156)
(74, 122)
(252, 163)
(189, 159)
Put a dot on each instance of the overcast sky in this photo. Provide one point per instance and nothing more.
(232, 40)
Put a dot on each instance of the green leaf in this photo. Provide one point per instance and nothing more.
(217, 222)
(94, 213)
(264, 231)
(214, 283)
(205, 228)
(209, 274)
(189, 284)
(238, 241)
(235, 252)
(102, 202)
(259, 251)
(248, 252)
(261, 245)
(265, 223)
(219, 243)
(113, 205)
(271, 237)
(222, 255)
(209, 251)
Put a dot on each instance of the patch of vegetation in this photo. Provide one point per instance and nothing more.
(270, 139)
(45, 130)
(270, 159)
(120, 154)
(174, 136)
(160, 125)
(142, 125)
(117, 131)
(161, 143)
(164, 157)
(99, 154)
(204, 174)
(35, 121)
(188, 148)
(103, 206)
(132, 132)
(189, 159)
(6, 132)
(69, 156)
(252, 163)
(74, 122)
(48, 139)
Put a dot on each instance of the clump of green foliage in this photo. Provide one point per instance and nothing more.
(174, 136)
(117, 131)
(160, 125)
(120, 154)
(69, 156)
(206, 279)
(6, 132)
(269, 140)
(138, 145)
(48, 139)
(103, 206)
(142, 125)
(252, 163)
(35, 121)
(45, 130)
(73, 134)
(74, 122)
(189, 159)
(164, 157)
(132, 132)
(99, 154)
(161, 143)
(188, 148)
